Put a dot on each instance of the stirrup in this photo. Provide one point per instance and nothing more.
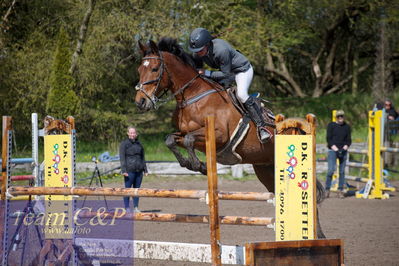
(265, 130)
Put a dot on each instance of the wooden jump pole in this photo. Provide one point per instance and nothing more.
(214, 222)
(138, 192)
(172, 217)
(20, 178)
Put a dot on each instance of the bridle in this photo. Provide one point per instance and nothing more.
(153, 98)
(139, 87)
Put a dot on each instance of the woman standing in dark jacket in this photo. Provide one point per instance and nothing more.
(131, 154)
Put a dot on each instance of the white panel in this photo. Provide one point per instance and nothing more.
(159, 250)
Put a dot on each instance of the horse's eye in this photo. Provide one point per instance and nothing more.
(154, 69)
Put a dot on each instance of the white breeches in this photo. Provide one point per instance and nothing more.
(243, 80)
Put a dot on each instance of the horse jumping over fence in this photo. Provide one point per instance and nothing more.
(166, 67)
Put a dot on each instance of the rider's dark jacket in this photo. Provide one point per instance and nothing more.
(131, 154)
(223, 57)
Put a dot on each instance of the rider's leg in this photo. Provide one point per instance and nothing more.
(243, 81)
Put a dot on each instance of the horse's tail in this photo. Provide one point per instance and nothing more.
(320, 192)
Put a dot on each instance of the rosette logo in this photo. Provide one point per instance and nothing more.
(292, 161)
(56, 159)
(65, 179)
(304, 184)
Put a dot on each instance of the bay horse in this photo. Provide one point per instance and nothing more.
(166, 67)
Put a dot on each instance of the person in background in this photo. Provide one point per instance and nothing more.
(392, 115)
(131, 154)
(338, 142)
(378, 106)
(390, 110)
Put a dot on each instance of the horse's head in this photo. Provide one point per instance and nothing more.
(153, 77)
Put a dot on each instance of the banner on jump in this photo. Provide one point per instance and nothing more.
(58, 158)
(295, 187)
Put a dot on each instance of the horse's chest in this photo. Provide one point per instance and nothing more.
(188, 126)
(186, 123)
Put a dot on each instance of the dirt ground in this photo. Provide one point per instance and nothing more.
(369, 228)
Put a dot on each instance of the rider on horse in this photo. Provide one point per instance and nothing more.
(219, 54)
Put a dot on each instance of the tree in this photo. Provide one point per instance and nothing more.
(382, 78)
(62, 100)
(82, 35)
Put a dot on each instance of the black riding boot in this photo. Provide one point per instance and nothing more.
(256, 115)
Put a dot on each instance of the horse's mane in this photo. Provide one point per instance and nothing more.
(171, 45)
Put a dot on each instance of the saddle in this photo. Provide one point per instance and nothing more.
(227, 154)
(268, 115)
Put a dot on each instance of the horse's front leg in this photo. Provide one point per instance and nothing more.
(190, 141)
(171, 142)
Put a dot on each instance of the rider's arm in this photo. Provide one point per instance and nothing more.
(224, 60)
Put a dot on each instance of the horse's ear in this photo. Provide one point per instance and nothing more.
(142, 47)
(154, 47)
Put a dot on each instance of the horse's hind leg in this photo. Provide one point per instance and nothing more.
(171, 142)
(319, 198)
(265, 174)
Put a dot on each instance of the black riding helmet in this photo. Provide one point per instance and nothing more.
(198, 39)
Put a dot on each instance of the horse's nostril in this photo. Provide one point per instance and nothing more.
(140, 103)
